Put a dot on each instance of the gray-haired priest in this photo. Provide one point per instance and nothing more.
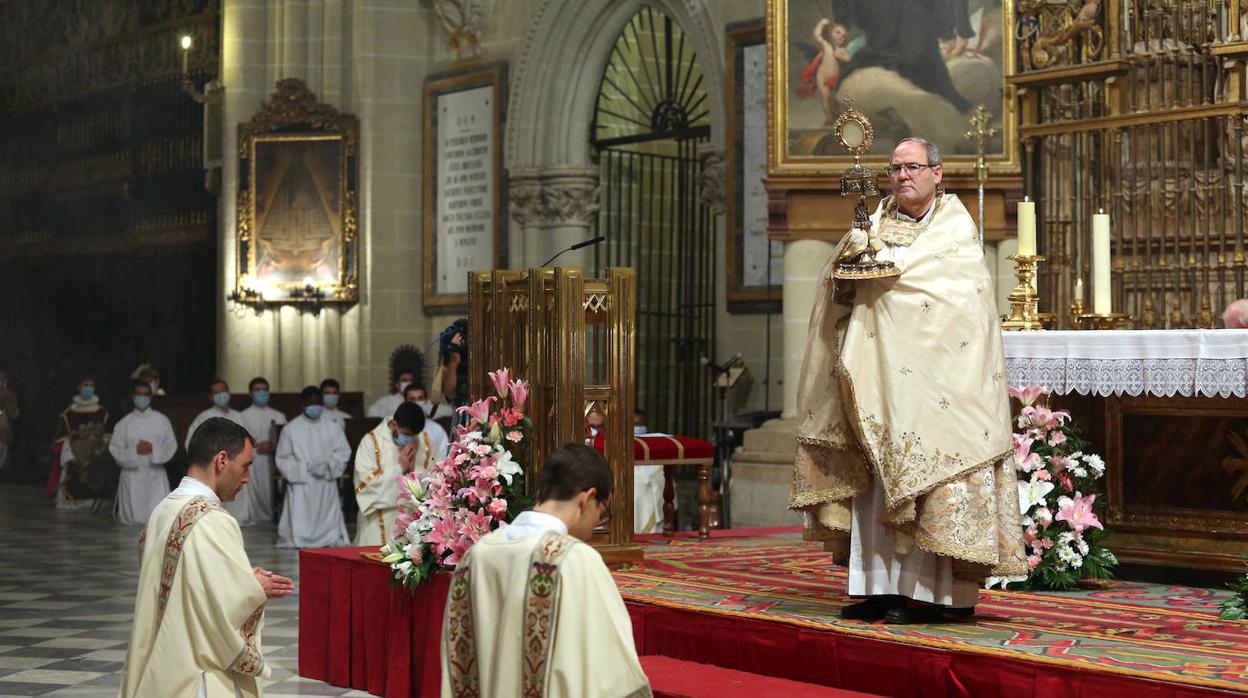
(905, 425)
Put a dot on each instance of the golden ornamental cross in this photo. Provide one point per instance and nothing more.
(980, 133)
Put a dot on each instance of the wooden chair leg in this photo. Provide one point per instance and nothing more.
(669, 500)
(704, 501)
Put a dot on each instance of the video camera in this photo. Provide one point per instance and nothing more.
(446, 347)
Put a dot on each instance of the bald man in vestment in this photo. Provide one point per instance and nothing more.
(905, 428)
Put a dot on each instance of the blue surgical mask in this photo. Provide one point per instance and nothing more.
(313, 411)
(638, 430)
(260, 398)
(142, 402)
(331, 400)
(86, 392)
(401, 439)
(221, 400)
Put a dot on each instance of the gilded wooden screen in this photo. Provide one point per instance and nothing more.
(1134, 107)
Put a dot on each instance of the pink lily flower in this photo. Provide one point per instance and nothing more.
(1078, 512)
(478, 411)
(1024, 459)
(502, 381)
(519, 393)
(1029, 395)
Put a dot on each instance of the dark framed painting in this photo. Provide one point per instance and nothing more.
(464, 197)
(913, 68)
(755, 263)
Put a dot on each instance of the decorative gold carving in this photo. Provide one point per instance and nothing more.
(295, 133)
(1024, 301)
(1052, 26)
(464, 22)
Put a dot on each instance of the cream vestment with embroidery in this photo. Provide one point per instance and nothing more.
(907, 384)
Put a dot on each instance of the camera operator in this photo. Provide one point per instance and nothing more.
(452, 374)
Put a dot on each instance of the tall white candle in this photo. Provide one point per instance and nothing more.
(1100, 264)
(1079, 289)
(1026, 228)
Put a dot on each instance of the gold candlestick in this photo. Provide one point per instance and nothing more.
(1024, 301)
(1103, 321)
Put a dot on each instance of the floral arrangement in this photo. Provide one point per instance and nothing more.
(1235, 606)
(1064, 537)
(475, 489)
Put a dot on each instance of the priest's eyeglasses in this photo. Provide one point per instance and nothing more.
(911, 168)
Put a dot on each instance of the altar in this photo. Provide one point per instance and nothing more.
(1165, 410)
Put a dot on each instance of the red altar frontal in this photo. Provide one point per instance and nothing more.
(766, 602)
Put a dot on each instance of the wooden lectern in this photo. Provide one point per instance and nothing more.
(572, 338)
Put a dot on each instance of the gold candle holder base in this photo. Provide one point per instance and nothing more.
(1024, 314)
(1102, 321)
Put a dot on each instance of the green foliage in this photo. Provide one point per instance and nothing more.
(1235, 607)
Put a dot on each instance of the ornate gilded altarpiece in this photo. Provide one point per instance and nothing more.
(297, 201)
(574, 340)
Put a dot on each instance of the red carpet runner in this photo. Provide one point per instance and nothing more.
(767, 602)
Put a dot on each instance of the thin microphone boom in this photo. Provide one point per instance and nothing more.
(577, 246)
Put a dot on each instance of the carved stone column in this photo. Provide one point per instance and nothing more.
(524, 189)
(568, 206)
(712, 177)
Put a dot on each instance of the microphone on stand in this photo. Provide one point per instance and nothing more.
(577, 246)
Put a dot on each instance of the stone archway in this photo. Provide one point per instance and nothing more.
(554, 84)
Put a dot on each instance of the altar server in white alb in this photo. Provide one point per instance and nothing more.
(255, 503)
(396, 447)
(142, 443)
(219, 392)
(199, 611)
(331, 392)
(385, 405)
(532, 610)
(312, 454)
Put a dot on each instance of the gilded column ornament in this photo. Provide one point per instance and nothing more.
(464, 22)
(712, 177)
(524, 188)
(569, 196)
(1048, 28)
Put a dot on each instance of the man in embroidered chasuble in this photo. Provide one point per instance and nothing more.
(905, 425)
(394, 448)
(532, 610)
(200, 604)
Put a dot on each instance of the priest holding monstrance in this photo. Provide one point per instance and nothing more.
(905, 426)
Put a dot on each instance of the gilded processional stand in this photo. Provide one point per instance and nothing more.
(573, 339)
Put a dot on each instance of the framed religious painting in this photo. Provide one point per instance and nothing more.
(913, 68)
(755, 264)
(297, 204)
(464, 214)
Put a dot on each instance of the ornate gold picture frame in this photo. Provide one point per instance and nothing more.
(914, 69)
(297, 202)
(465, 212)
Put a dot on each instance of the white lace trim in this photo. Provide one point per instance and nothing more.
(1212, 363)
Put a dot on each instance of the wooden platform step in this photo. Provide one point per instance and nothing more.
(673, 678)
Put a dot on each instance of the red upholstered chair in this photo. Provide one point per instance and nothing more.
(671, 452)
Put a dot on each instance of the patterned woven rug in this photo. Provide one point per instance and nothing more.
(1165, 633)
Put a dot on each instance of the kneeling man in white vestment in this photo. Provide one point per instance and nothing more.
(200, 604)
(905, 429)
(396, 447)
(312, 454)
(142, 443)
(533, 610)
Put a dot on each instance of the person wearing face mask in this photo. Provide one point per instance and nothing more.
(255, 503)
(219, 392)
(539, 573)
(385, 406)
(148, 374)
(142, 443)
(416, 394)
(312, 454)
(396, 447)
(8, 417)
(331, 392)
(80, 429)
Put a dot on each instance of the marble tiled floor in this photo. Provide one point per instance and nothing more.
(67, 585)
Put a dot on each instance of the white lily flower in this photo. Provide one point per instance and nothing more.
(1032, 493)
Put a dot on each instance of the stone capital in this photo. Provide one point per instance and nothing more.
(711, 177)
(569, 196)
(524, 194)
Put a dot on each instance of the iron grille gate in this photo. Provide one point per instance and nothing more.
(650, 117)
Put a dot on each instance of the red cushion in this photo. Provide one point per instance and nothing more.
(664, 450)
(676, 679)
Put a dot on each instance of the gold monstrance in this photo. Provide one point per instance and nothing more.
(855, 133)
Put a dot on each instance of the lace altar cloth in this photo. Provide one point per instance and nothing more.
(1131, 362)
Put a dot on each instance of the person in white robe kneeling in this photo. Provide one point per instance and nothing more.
(142, 443)
(393, 449)
(200, 604)
(532, 609)
(312, 454)
(255, 504)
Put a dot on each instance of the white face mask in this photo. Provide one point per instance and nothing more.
(427, 407)
(638, 430)
(403, 386)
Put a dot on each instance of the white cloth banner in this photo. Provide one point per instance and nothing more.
(1131, 362)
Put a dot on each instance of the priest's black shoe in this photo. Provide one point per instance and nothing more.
(903, 614)
(872, 608)
(960, 612)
